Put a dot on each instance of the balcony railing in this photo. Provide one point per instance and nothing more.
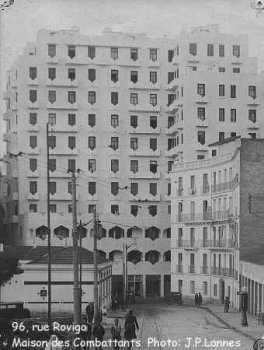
(179, 268)
(210, 244)
(191, 269)
(204, 270)
(224, 186)
(222, 271)
(205, 216)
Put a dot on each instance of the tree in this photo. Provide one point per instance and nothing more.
(9, 266)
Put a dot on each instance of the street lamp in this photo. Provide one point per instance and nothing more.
(244, 305)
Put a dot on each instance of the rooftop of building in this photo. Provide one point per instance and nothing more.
(226, 140)
(59, 255)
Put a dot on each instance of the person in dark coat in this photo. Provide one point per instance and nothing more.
(90, 312)
(196, 299)
(130, 328)
(200, 299)
(98, 333)
(226, 304)
(116, 333)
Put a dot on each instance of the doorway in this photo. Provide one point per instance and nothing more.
(152, 286)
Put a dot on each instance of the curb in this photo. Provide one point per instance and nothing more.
(227, 324)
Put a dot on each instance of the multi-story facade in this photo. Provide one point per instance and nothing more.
(212, 225)
(120, 108)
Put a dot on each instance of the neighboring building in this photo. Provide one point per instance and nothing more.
(32, 283)
(113, 103)
(212, 226)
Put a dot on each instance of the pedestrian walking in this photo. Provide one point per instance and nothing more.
(90, 312)
(200, 299)
(226, 304)
(98, 333)
(196, 299)
(116, 333)
(131, 325)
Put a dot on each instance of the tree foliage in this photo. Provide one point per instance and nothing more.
(9, 266)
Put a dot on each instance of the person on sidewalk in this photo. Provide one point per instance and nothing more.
(130, 328)
(90, 312)
(200, 299)
(196, 299)
(98, 333)
(116, 333)
(226, 304)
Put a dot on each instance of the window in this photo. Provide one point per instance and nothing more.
(221, 136)
(134, 54)
(71, 164)
(114, 53)
(91, 142)
(52, 50)
(53, 208)
(252, 135)
(71, 51)
(252, 115)
(134, 98)
(114, 188)
(91, 74)
(134, 166)
(236, 70)
(134, 188)
(170, 164)
(52, 187)
(91, 52)
(205, 288)
(134, 210)
(33, 96)
(33, 187)
(71, 74)
(201, 137)
(91, 97)
(71, 142)
(114, 165)
(71, 97)
(221, 114)
(233, 134)
(69, 208)
(171, 98)
(153, 144)
(153, 166)
(221, 69)
(92, 188)
(153, 77)
(201, 89)
(153, 188)
(171, 76)
(169, 209)
(233, 115)
(134, 76)
(114, 98)
(153, 121)
(33, 164)
(233, 91)
(133, 143)
(91, 208)
(215, 290)
(71, 119)
(170, 55)
(221, 90)
(252, 91)
(33, 208)
(153, 54)
(92, 165)
(153, 99)
(193, 49)
(115, 209)
(114, 75)
(201, 113)
(91, 120)
(114, 120)
(52, 96)
(114, 143)
(33, 141)
(171, 121)
(52, 164)
(33, 118)
(52, 141)
(134, 121)
(236, 50)
(152, 209)
(210, 49)
(52, 119)
(221, 50)
(33, 73)
(52, 73)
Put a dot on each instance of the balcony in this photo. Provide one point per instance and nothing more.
(202, 123)
(179, 268)
(63, 106)
(208, 244)
(172, 85)
(7, 115)
(252, 125)
(220, 271)
(144, 108)
(224, 186)
(192, 190)
(143, 130)
(205, 189)
(144, 175)
(191, 268)
(222, 215)
(62, 83)
(204, 270)
(145, 198)
(192, 218)
(6, 137)
(144, 153)
(174, 106)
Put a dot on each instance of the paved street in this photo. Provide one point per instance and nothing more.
(184, 324)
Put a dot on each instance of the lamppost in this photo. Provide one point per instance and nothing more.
(244, 305)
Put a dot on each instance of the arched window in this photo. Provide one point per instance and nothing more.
(134, 256)
(152, 256)
(152, 233)
(42, 232)
(116, 255)
(167, 256)
(61, 232)
(116, 232)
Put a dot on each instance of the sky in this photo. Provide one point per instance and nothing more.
(157, 18)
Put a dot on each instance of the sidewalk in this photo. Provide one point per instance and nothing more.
(232, 320)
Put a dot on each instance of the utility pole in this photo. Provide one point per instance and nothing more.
(48, 226)
(125, 273)
(76, 287)
(95, 266)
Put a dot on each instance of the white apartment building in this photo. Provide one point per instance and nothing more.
(121, 108)
(212, 225)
